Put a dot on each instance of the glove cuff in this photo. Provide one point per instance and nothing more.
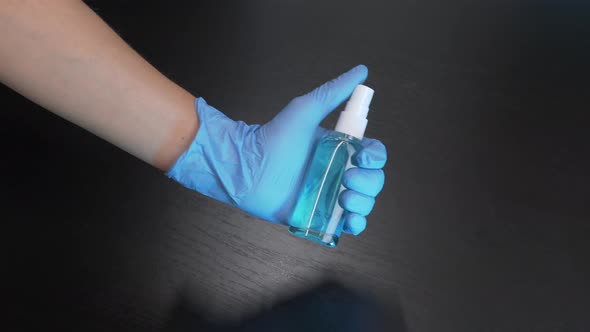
(214, 164)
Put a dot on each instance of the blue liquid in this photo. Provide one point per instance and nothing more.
(317, 215)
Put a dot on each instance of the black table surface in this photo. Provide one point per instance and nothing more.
(483, 223)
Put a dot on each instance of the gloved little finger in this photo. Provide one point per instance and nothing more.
(354, 223)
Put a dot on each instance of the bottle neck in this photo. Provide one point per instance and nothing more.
(352, 124)
(345, 137)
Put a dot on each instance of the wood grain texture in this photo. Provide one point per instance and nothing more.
(483, 223)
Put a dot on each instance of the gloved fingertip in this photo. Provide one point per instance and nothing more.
(355, 223)
(362, 69)
(356, 202)
(366, 181)
(331, 94)
(373, 155)
(356, 75)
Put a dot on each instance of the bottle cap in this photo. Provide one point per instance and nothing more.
(353, 120)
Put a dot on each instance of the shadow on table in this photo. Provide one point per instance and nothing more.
(327, 307)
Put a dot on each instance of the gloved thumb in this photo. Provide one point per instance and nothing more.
(314, 106)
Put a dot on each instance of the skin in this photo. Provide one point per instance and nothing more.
(62, 56)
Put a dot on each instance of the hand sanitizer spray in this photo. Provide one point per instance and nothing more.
(317, 215)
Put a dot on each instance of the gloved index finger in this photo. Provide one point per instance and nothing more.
(331, 94)
(373, 155)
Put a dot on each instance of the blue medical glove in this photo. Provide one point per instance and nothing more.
(259, 168)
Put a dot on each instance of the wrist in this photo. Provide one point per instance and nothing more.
(181, 133)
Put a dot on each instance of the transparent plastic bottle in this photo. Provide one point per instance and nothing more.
(317, 215)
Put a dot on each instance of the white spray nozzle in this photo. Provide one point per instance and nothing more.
(360, 100)
(353, 120)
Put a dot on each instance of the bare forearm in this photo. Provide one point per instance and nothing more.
(62, 56)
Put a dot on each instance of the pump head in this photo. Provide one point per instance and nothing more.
(353, 120)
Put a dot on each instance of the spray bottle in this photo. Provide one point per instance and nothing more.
(318, 215)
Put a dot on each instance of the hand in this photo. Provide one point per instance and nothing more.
(259, 169)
